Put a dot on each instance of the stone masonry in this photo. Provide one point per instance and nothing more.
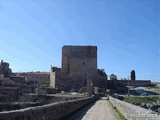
(79, 59)
(133, 112)
(53, 111)
(78, 62)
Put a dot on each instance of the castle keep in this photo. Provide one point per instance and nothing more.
(79, 63)
(79, 59)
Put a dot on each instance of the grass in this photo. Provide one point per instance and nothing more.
(141, 99)
(45, 85)
(118, 112)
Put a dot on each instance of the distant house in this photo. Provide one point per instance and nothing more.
(112, 77)
(43, 77)
(32, 77)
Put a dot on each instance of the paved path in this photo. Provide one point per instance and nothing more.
(100, 110)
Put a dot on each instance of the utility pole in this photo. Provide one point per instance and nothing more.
(128, 88)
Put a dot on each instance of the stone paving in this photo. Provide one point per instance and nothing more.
(102, 110)
(99, 110)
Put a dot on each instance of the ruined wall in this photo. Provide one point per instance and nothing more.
(133, 112)
(4, 69)
(9, 92)
(80, 59)
(53, 111)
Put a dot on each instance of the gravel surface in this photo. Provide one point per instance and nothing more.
(100, 110)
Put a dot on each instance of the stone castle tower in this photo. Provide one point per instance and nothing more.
(79, 59)
(78, 63)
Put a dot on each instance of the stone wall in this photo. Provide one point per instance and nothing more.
(137, 83)
(46, 91)
(7, 82)
(100, 82)
(7, 103)
(4, 78)
(75, 81)
(27, 89)
(13, 92)
(53, 111)
(67, 82)
(9, 90)
(133, 112)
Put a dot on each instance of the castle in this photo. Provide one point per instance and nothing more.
(79, 64)
(79, 69)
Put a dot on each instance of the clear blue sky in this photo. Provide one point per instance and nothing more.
(126, 32)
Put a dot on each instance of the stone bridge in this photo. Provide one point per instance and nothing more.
(89, 108)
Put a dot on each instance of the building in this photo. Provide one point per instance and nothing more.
(79, 68)
(112, 77)
(38, 77)
(31, 78)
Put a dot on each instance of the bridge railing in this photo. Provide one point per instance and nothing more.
(133, 112)
(53, 111)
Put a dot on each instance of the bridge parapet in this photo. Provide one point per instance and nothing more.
(133, 112)
(53, 111)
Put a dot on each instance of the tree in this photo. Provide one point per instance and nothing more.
(133, 75)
